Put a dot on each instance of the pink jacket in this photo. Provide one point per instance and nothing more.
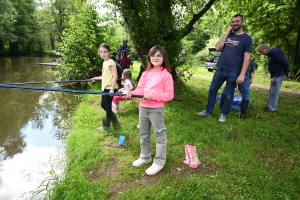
(159, 82)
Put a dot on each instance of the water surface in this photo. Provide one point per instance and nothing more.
(33, 125)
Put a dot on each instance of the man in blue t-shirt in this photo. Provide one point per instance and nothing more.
(234, 60)
(278, 67)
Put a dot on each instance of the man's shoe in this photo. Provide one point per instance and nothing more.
(267, 110)
(154, 169)
(204, 114)
(140, 162)
(222, 118)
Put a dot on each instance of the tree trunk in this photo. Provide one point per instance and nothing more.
(296, 56)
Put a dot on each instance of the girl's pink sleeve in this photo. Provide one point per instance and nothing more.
(140, 87)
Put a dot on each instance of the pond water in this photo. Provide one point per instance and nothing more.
(32, 127)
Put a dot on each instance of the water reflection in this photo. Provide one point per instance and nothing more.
(32, 126)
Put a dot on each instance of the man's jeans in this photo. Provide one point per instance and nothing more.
(220, 76)
(244, 88)
(275, 86)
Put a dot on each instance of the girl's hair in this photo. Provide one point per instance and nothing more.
(165, 64)
(127, 75)
(124, 53)
(106, 46)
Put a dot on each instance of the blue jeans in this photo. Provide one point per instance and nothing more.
(244, 89)
(220, 76)
(275, 86)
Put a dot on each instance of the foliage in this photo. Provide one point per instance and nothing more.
(274, 22)
(255, 158)
(81, 41)
(26, 29)
(160, 23)
(7, 19)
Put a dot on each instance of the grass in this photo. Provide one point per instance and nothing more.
(256, 158)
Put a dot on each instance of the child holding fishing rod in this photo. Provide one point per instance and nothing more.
(128, 86)
(109, 78)
(156, 86)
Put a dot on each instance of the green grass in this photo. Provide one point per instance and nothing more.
(256, 158)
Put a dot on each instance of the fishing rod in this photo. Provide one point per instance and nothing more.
(71, 91)
(46, 82)
(141, 96)
(51, 82)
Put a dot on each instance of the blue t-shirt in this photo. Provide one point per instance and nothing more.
(232, 56)
(277, 64)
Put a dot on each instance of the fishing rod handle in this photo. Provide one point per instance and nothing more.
(141, 96)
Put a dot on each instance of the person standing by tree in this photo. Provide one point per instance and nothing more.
(123, 47)
(109, 78)
(124, 61)
(232, 65)
(157, 87)
(278, 67)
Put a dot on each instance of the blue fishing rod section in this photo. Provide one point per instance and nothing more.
(71, 91)
(58, 90)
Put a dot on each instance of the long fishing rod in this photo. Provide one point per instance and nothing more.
(70, 91)
(141, 96)
(46, 82)
(51, 82)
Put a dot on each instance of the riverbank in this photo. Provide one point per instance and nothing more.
(257, 158)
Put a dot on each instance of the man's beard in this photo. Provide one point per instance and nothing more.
(238, 28)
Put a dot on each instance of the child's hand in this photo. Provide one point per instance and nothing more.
(148, 96)
(128, 95)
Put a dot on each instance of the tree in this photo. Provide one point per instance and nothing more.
(47, 24)
(275, 22)
(61, 10)
(160, 22)
(7, 20)
(26, 29)
(81, 41)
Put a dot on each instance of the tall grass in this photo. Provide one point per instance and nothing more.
(256, 158)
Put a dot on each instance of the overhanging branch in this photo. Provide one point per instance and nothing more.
(189, 27)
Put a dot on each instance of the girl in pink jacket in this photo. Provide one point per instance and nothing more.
(156, 86)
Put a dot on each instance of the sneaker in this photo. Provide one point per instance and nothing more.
(114, 108)
(140, 162)
(222, 118)
(154, 169)
(138, 126)
(204, 114)
(267, 110)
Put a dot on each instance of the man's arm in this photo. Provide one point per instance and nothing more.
(220, 44)
(240, 79)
